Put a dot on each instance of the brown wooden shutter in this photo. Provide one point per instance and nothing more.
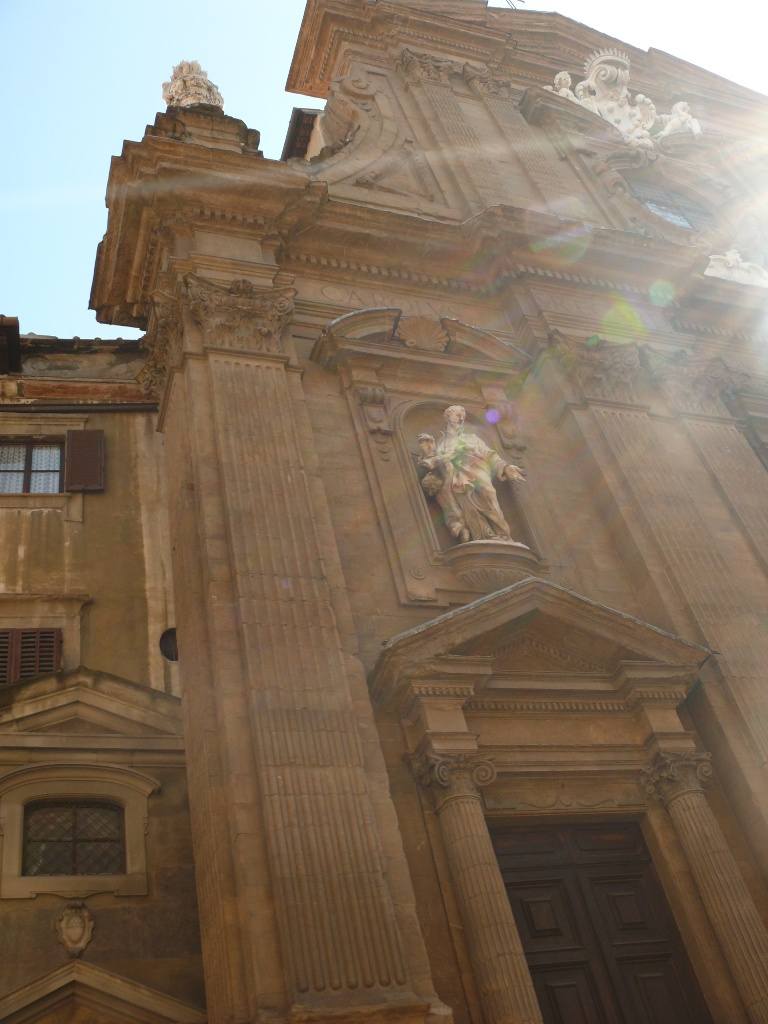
(27, 653)
(5, 655)
(84, 461)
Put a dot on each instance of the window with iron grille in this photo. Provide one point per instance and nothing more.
(28, 653)
(31, 467)
(68, 838)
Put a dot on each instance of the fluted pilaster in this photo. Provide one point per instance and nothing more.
(679, 780)
(497, 956)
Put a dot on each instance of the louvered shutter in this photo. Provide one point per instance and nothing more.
(5, 655)
(28, 653)
(84, 461)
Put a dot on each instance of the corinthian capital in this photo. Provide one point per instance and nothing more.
(454, 774)
(239, 316)
(671, 775)
(163, 342)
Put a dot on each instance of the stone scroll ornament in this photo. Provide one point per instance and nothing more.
(460, 473)
(605, 92)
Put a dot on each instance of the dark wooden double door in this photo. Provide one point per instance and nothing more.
(598, 934)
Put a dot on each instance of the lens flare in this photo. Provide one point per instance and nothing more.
(661, 293)
(493, 415)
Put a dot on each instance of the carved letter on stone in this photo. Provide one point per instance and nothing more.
(459, 473)
(74, 928)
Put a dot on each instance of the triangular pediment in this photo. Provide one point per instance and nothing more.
(80, 993)
(534, 635)
(86, 703)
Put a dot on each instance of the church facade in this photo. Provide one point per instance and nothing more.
(384, 637)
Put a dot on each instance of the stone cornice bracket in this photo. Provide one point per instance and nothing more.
(163, 342)
(457, 775)
(483, 82)
(693, 385)
(672, 775)
(603, 370)
(238, 316)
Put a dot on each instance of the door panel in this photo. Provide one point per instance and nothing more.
(598, 935)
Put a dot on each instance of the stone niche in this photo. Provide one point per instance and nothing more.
(400, 374)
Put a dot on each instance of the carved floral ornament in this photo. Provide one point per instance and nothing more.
(604, 91)
(674, 774)
(239, 316)
(456, 773)
(163, 342)
(190, 86)
(609, 371)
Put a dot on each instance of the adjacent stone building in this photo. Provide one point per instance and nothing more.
(384, 637)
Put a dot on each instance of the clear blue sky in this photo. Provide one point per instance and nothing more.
(77, 78)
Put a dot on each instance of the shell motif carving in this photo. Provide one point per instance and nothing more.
(423, 333)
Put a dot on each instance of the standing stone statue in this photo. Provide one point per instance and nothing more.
(461, 470)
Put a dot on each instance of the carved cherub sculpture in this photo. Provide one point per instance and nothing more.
(679, 120)
(461, 471)
(562, 86)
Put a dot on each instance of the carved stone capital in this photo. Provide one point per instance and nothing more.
(238, 316)
(483, 82)
(603, 369)
(672, 775)
(423, 67)
(453, 775)
(163, 343)
(694, 385)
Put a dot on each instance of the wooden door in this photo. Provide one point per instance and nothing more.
(598, 934)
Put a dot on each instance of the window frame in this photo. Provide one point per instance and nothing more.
(126, 787)
(76, 840)
(21, 425)
(29, 443)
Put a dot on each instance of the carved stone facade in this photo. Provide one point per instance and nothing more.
(442, 468)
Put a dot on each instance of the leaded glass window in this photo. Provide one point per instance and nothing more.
(68, 838)
(30, 467)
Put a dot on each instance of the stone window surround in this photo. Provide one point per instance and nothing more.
(42, 425)
(126, 787)
(47, 611)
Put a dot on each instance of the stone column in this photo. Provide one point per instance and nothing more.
(495, 950)
(679, 779)
(254, 571)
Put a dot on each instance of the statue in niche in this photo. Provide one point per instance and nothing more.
(461, 470)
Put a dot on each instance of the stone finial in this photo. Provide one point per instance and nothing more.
(189, 86)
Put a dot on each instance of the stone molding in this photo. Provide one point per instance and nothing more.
(673, 774)
(238, 316)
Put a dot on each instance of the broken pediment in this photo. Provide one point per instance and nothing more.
(80, 993)
(535, 636)
(370, 330)
(84, 702)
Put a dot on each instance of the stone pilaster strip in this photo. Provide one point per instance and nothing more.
(679, 780)
(339, 937)
(694, 561)
(495, 950)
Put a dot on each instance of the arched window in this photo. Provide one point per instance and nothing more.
(73, 838)
(674, 207)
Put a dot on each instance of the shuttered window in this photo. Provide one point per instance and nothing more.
(28, 653)
(68, 838)
(30, 467)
